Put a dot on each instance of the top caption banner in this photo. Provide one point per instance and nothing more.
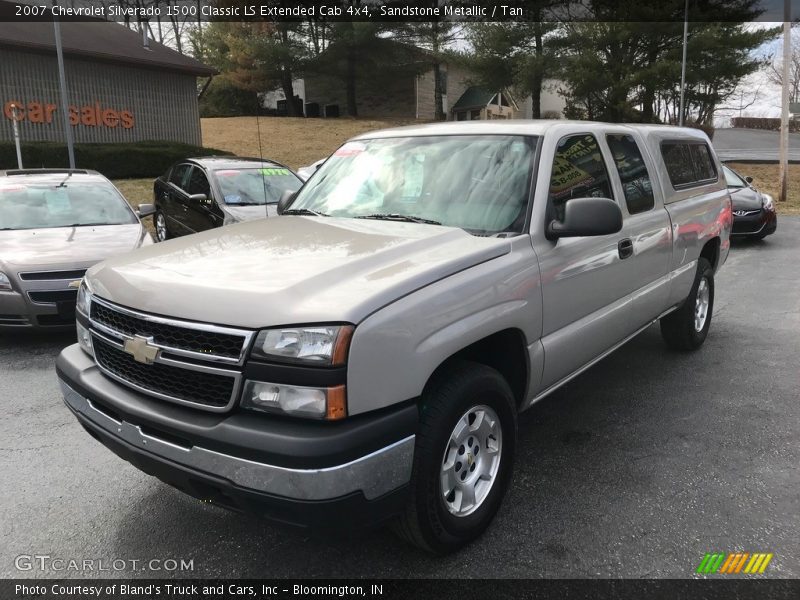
(396, 10)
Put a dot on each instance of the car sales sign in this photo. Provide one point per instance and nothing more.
(90, 115)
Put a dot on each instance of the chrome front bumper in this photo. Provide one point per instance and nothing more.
(374, 474)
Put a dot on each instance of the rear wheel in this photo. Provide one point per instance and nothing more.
(463, 458)
(687, 327)
(160, 224)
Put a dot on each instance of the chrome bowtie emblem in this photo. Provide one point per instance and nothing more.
(140, 349)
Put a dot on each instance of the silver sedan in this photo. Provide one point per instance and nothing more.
(55, 224)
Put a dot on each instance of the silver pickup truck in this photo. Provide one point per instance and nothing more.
(364, 356)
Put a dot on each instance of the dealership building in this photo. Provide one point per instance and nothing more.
(120, 86)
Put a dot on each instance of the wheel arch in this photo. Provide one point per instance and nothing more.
(506, 351)
(711, 252)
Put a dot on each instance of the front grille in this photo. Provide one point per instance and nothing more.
(172, 336)
(50, 297)
(191, 386)
(52, 275)
(751, 223)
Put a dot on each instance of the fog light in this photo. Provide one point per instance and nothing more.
(298, 401)
(84, 339)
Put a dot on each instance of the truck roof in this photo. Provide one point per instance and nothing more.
(523, 127)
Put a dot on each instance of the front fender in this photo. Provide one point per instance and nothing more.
(396, 349)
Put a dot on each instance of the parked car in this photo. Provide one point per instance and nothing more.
(197, 194)
(754, 213)
(305, 172)
(54, 224)
(364, 356)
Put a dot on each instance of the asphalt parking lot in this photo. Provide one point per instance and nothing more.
(635, 469)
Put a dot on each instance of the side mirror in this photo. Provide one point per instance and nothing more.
(748, 179)
(586, 217)
(145, 210)
(201, 198)
(285, 200)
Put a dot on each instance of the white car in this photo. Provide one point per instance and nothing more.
(305, 172)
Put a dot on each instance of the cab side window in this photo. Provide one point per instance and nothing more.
(636, 183)
(689, 164)
(579, 171)
(178, 175)
(198, 183)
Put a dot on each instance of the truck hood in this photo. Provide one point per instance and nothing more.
(289, 270)
(71, 247)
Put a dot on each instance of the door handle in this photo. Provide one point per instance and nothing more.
(625, 248)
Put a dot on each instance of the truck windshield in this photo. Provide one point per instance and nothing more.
(479, 183)
(33, 205)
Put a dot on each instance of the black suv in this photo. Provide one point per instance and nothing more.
(201, 193)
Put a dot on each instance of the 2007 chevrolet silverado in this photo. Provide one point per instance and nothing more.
(366, 354)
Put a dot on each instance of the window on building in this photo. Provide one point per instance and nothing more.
(475, 115)
(633, 174)
(579, 171)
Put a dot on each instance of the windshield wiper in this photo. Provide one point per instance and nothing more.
(304, 211)
(88, 224)
(399, 217)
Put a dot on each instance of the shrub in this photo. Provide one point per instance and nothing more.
(770, 124)
(115, 161)
(705, 127)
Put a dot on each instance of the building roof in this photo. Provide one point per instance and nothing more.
(97, 40)
(473, 97)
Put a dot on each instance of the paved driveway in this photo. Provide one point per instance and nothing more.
(635, 469)
(753, 145)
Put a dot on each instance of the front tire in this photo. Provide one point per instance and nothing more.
(687, 327)
(463, 458)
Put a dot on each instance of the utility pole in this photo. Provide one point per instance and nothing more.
(787, 58)
(683, 62)
(63, 85)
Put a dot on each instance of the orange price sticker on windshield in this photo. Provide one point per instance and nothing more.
(350, 149)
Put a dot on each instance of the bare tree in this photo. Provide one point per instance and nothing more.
(774, 71)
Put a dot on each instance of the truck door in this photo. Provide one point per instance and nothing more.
(587, 285)
(646, 225)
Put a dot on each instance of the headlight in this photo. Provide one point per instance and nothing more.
(321, 345)
(5, 283)
(84, 339)
(298, 401)
(84, 302)
(766, 202)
